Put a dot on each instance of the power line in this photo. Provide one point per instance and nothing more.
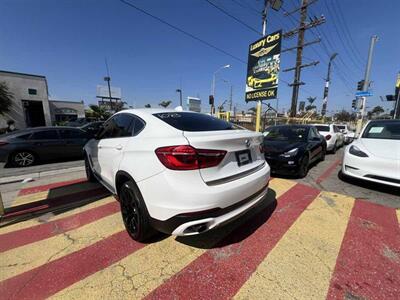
(183, 31)
(349, 54)
(248, 7)
(347, 29)
(233, 17)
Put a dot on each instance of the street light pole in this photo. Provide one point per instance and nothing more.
(327, 82)
(213, 85)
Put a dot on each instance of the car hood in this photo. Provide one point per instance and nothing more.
(389, 149)
(275, 147)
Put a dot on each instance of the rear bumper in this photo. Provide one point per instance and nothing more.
(174, 198)
(190, 224)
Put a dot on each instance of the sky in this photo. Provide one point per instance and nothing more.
(68, 41)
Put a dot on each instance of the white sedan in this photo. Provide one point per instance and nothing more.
(375, 154)
(333, 136)
(178, 172)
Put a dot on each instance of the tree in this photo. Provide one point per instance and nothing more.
(165, 103)
(99, 112)
(310, 106)
(376, 111)
(6, 98)
(252, 110)
(147, 106)
(345, 116)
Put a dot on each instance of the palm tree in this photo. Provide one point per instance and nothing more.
(6, 98)
(99, 112)
(253, 109)
(310, 106)
(165, 103)
(147, 106)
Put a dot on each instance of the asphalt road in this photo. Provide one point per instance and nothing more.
(325, 176)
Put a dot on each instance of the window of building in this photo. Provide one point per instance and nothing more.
(32, 91)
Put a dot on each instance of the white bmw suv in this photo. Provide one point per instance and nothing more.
(180, 173)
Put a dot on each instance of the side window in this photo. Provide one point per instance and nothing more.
(312, 134)
(137, 125)
(123, 125)
(316, 133)
(71, 134)
(45, 135)
(118, 126)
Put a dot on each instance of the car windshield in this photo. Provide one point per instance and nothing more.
(322, 128)
(187, 121)
(388, 130)
(285, 133)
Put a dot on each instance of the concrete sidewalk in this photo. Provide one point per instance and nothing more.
(9, 175)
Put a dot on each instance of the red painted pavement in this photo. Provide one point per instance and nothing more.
(46, 230)
(220, 273)
(368, 265)
(46, 187)
(328, 171)
(46, 280)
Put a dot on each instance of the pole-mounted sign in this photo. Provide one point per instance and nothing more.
(263, 68)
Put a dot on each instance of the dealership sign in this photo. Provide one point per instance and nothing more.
(263, 68)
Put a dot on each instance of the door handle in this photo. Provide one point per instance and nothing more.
(119, 147)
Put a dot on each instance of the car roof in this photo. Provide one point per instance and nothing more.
(291, 125)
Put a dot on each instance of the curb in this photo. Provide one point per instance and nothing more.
(13, 179)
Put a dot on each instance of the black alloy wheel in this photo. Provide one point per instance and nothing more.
(134, 212)
(303, 169)
(23, 159)
(89, 172)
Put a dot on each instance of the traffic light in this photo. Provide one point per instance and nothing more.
(354, 104)
(360, 85)
(211, 99)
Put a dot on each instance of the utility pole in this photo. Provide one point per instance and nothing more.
(180, 97)
(374, 39)
(303, 26)
(327, 82)
(108, 79)
(230, 98)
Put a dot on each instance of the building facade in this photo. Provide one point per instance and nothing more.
(62, 111)
(31, 106)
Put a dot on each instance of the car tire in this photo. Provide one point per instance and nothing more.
(134, 212)
(89, 172)
(23, 159)
(334, 149)
(303, 169)
(323, 153)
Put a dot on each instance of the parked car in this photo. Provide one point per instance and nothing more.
(177, 172)
(375, 154)
(25, 147)
(92, 128)
(334, 138)
(348, 134)
(290, 149)
(79, 122)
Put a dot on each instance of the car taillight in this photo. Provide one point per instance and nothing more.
(3, 143)
(328, 137)
(186, 157)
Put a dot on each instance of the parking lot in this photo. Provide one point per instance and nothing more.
(321, 238)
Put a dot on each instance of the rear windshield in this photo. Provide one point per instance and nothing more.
(382, 130)
(322, 128)
(341, 126)
(286, 133)
(186, 121)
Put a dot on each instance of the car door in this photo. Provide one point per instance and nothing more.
(111, 146)
(47, 144)
(315, 144)
(339, 135)
(73, 141)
